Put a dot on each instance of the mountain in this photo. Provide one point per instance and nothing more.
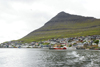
(65, 25)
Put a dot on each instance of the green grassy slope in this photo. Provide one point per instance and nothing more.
(65, 25)
(62, 30)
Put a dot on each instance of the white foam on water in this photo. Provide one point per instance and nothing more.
(90, 64)
(75, 54)
(81, 58)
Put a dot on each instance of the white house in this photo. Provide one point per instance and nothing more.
(94, 44)
(99, 44)
(10, 46)
(80, 44)
(52, 42)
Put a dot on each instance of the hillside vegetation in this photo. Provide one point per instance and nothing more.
(65, 25)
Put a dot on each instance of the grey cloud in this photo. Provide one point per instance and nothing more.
(25, 16)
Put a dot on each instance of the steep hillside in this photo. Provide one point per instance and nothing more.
(65, 25)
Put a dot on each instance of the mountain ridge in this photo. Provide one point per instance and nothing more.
(68, 17)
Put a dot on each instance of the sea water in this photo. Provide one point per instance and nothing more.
(34, 57)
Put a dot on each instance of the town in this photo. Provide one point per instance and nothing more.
(79, 43)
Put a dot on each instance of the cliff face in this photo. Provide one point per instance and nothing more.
(65, 25)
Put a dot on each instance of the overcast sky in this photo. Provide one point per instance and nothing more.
(20, 17)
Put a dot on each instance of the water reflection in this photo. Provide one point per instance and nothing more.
(48, 58)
